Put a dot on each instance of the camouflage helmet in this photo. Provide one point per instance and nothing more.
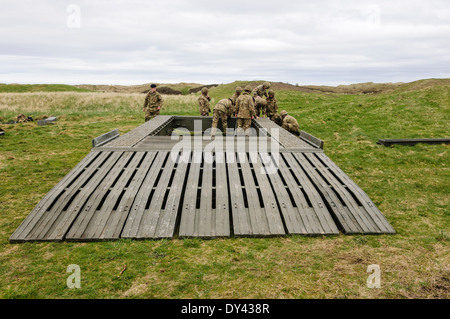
(266, 85)
(283, 113)
(205, 90)
(238, 89)
(271, 93)
(248, 88)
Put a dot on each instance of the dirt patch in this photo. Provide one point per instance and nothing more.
(439, 288)
(9, 251)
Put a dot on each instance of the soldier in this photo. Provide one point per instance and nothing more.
(245, 110)
(260, 90)
(289, 123)
(221, 110)
(272, 104)
(203, 102)
(235, 96)
(260, 106)
(277, 119)
(153, 103)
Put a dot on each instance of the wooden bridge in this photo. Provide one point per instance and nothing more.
(148, 184)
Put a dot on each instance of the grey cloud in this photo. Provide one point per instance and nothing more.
(321, 42)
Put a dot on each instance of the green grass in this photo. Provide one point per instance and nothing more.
(408, 184)
(21, 88)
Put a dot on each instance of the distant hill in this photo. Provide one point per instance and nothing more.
(178, 88)
(359, 88)
(188, 88)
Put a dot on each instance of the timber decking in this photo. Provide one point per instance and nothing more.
(136, 186)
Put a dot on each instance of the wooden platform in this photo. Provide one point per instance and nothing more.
(139, 186)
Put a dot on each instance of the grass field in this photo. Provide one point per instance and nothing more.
(410, 185)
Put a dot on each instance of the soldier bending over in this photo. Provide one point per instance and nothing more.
(289, 123)
(221, 110)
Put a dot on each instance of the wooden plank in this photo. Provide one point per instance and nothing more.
(105, 138)
(260, 217)
(21, 233)
(222, 211)
(83, 219)
(93, 220)
(346, 220)
(169, 216)
(363, 198)
(151, 217)
(294, 224)
(209, 222)
(271, 210)
(136, 214)
(304, 214)
(413, 141)
(258, 220)
(113, 228)
(314, 141)
(103, 216)
(48, 218)
(205, 216)
(302, 218)
(189, 212)
(318, 201)
(358, 212)
(65, 219)
(240, 214)
(319, 219)
(136, 135)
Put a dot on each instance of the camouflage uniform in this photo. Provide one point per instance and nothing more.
(221, 110)
(260, 106)
(203, 102)
(245, 110)
(235, 96)
(260, 90)
(277, 119)
(272, 104)
(152, 105)
(290, 123)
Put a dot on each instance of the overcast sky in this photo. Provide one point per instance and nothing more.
(322, 42)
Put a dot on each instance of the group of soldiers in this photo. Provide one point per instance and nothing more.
(245, 105)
